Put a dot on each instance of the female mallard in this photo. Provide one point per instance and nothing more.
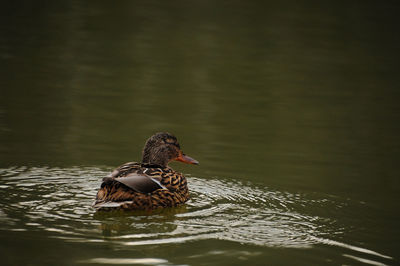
(150, 184)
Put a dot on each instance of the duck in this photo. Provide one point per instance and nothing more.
(149, 184)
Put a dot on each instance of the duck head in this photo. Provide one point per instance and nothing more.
(163, 147)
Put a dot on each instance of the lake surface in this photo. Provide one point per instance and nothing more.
(292, 109)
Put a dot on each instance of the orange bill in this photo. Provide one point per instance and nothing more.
(186, 159)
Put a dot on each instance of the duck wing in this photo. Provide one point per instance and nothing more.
(140, 182)
(125, 169)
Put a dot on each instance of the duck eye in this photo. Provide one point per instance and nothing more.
(170, 141)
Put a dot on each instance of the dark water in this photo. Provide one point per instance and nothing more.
(290, 107)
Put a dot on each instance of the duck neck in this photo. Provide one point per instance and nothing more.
(152, 158)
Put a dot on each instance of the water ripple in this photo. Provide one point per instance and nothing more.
(57, 201)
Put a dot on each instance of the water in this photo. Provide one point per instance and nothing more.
(291, 109)
(225, 219)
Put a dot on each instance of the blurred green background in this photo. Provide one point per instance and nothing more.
(301, 96)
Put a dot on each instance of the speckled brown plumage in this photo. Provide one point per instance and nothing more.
(148, 185)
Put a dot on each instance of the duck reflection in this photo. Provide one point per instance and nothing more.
(138, 224)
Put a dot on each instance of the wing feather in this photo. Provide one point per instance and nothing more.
(140, 182)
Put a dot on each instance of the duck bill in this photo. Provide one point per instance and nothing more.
(186, 159)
